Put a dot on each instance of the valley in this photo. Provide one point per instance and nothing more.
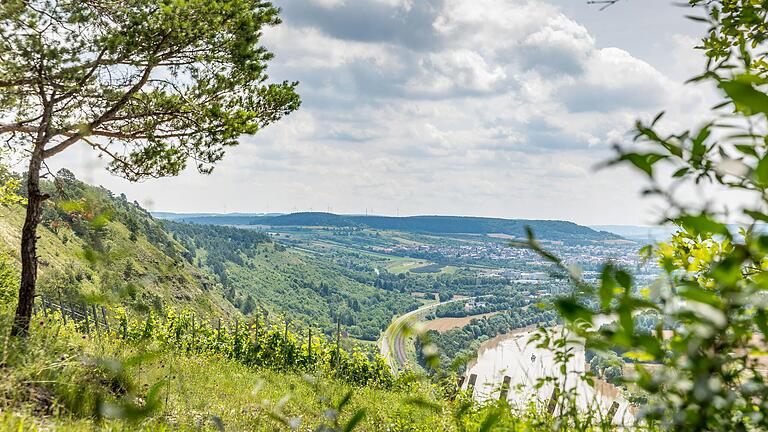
(489, 281)
(373, 285)
(460, 149)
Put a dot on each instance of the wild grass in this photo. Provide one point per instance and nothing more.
(60, 379)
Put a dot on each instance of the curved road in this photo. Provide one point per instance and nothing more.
(392, 342)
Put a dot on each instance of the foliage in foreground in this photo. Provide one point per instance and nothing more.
(58, 378)
(702, 366)
(257, 345)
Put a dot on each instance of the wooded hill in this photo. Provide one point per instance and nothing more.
(544, 229)
(98, 247)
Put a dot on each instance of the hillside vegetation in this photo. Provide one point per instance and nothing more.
(98, 247)
(95, 246)
(256, 273)
(160, 376)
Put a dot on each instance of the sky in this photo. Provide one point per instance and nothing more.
(499, 108)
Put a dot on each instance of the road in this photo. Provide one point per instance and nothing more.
(392, 342)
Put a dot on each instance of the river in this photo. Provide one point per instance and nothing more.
(511, 355)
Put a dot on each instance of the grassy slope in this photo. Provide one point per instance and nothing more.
(156, 277)
(54, 379)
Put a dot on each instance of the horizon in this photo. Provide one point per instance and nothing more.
(262, 214)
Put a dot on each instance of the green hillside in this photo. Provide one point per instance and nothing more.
(98, 247)
(94, 246)
(291, 282)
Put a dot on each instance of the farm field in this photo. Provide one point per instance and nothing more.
(402, 265)
(442, 325)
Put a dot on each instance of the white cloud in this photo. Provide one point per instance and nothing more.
(488, 107)
(329, 3)
(455, 71)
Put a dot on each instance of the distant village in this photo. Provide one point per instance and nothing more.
(522, 265)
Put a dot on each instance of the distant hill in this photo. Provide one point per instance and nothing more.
(217, 218)
(544, 229)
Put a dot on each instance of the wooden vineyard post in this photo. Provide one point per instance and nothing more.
(612, 411)
(45, 309)
(471, 384)
(95, 319)
(61, 308)
(309, 348)
(256, 329)
(505, 388)
(235, 341)
(193, 330)
(218, 330)
(256, 334)
(104, 316)
(338, 345)
(459, 383)
(553, 400)
(87, 321)
(285, 344)
(147, 329)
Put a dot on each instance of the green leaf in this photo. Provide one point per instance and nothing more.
(761, 319)
(489, 421)
(642, 161)
(624, 279)
(761, 171)
(703, 224)
(756, 215)
(699, 149)
(345, 400)
(423, 403)
(355, 420)
(694, 292)
(746, 149)
(571, 310)
(607, 286)
(747, 99)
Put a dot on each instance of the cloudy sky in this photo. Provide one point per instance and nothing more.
(469, 107)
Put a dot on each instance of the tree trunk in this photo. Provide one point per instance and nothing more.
(29, 246)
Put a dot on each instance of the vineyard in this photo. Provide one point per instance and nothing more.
(255, 343)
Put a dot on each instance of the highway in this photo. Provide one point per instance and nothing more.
(392, 342)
